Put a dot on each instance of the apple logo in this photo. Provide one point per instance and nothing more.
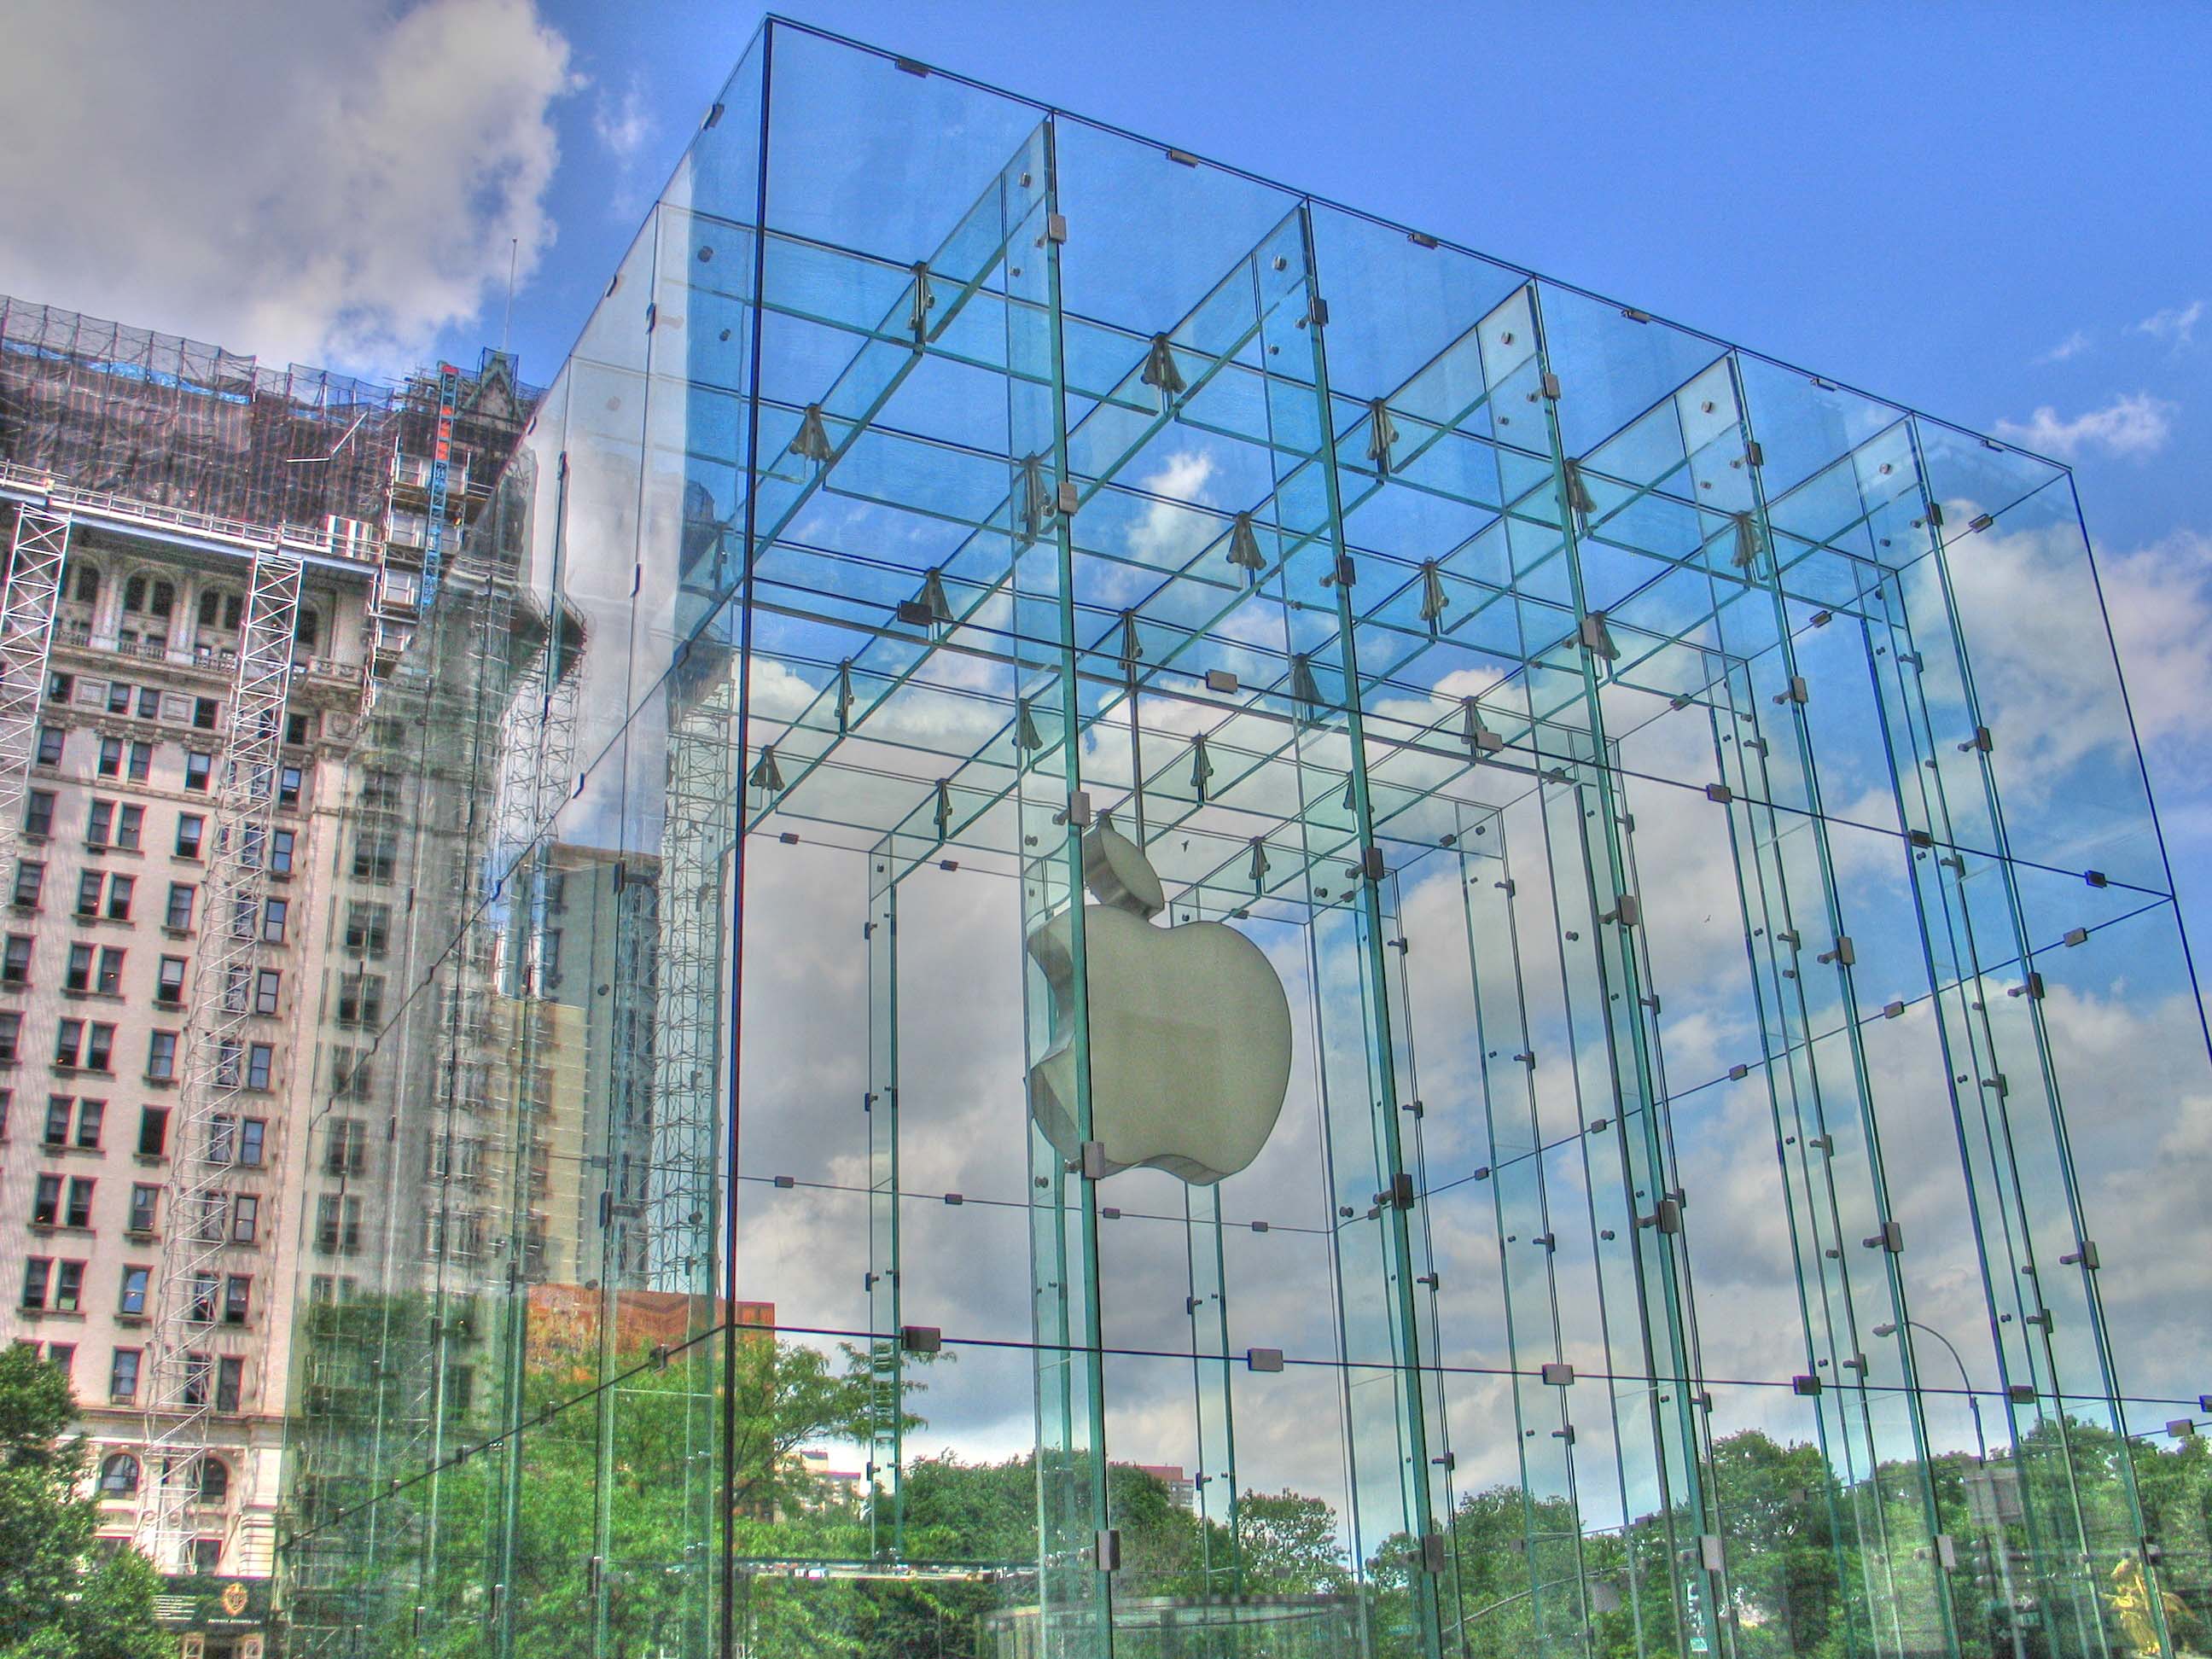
(1190, 1029)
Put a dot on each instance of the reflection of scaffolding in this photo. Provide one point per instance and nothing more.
(219, 1065)
(701, 825)
(27, 636)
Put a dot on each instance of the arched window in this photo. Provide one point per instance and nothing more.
(86, 587)
(165, 598)
(134, 594)
(308, 628)
(119, 1475)
(214, 1481)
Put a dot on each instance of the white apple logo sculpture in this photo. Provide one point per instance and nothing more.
(1190, 1030)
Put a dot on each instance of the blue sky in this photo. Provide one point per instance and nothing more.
(1995, 213)
(1992, 213)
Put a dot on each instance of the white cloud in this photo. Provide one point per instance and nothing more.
(2134, 424)
(2175, 323)
(2072, 346)
(623, 127)
(329, 184)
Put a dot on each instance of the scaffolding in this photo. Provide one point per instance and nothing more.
(217, 1070)
(35, 559)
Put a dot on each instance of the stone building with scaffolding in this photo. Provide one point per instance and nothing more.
(214, 566)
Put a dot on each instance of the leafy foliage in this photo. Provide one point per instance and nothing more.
(60, 1598)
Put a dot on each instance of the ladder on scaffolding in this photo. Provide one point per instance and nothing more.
(36, 554)
(441, 456)
(180, 1395)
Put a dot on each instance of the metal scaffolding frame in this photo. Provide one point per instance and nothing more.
(35, 560)
(180, 1397)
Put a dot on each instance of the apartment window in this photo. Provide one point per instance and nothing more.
(141, 764)
(68, 1286)
(205, 711)
(30, 877)
(122, 1377)
(46, 1202)
(237, 1299)
(161, 1056)
(338, 1225)
(253, 1140)
(206, 1288)
(289, 785)
(133, 1299)
(52, 739)
(37, 1281)
(7, 1106)
(281, 842)
(98, 820)
(87, 1044)
(169, 988)
(87, 1116)
(376, 855)
(111, 757)
(196, 1364)
(62, 1356)
(79, 1211)
(87, 584)
(229, 1382)
(206, 1557)
(15, 960)
(119, 697)
(152, 1130)
(367, 929)
(119, 1475)
(295, 729)
(227, 1056)
(346, 1152)
(119, 897)
(349, 1073)
(268, 987)
(150, 703)
(229, 607)
(145, 1201)
(260, 1062)
(198, 765)
(89, 886)
(11, 1035)
(39, 812)
(91, 969)
(245, 1219)
(242, 915)
(191, 827)
(360, 999)
(273, 912)
(129, 825)
(222, 1139)
(60, 688)
(178, 918)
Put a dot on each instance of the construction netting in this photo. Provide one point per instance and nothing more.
(176, 423)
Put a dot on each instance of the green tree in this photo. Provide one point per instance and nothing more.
(60, 1598)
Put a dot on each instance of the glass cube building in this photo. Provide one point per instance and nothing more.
(1146, 917)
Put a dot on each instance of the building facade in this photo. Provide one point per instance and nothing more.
(204, 898)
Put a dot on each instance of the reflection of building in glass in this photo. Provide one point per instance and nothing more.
(1732, 1190)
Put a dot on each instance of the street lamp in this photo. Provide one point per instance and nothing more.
(1994, 1531)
